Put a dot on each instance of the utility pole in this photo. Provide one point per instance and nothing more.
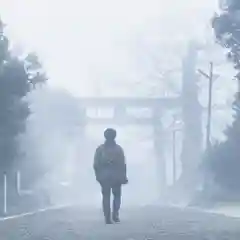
(177, 127)
(209, 116)
(174, 159)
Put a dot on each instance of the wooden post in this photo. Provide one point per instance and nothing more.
(159, 150)
(192, 118)
(5, 193)
(174, 157)
(18, 182)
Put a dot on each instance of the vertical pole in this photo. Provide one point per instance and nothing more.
(238, 93)
(158, 135)
(174, 156)
(18, 183)
(209, 117)
(5, 193)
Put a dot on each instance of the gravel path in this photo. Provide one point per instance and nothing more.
(147, 223)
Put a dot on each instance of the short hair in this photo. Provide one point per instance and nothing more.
(110, 134)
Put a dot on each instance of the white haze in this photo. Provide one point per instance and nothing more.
(107, 48)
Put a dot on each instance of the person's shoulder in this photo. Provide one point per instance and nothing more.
(119, 147)
(100, 147)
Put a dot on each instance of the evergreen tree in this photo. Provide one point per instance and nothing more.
(227, 30)
(18, 75)
(224, 157)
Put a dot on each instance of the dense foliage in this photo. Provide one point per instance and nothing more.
(225, 157)
(18, 76)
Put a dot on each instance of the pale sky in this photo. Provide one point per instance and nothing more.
(81, 42)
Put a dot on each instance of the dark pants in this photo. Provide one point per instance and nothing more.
(116, 190)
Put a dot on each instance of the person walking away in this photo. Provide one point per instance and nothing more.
(111, 172)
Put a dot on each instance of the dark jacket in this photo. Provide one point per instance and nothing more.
(109, 163)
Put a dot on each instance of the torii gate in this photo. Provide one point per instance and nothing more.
(121, 115)
(191, 117)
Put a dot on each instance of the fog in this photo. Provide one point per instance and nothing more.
(108, 50)
(56, 141)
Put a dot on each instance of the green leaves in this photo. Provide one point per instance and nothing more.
(226, 27)
(34, 70)
(224, 158)
(17, 77)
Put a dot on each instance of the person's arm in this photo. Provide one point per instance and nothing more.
(123, 161)
(97, 156)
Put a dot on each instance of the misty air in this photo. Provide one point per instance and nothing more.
(119, 119)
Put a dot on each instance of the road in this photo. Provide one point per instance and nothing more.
(146, 223)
